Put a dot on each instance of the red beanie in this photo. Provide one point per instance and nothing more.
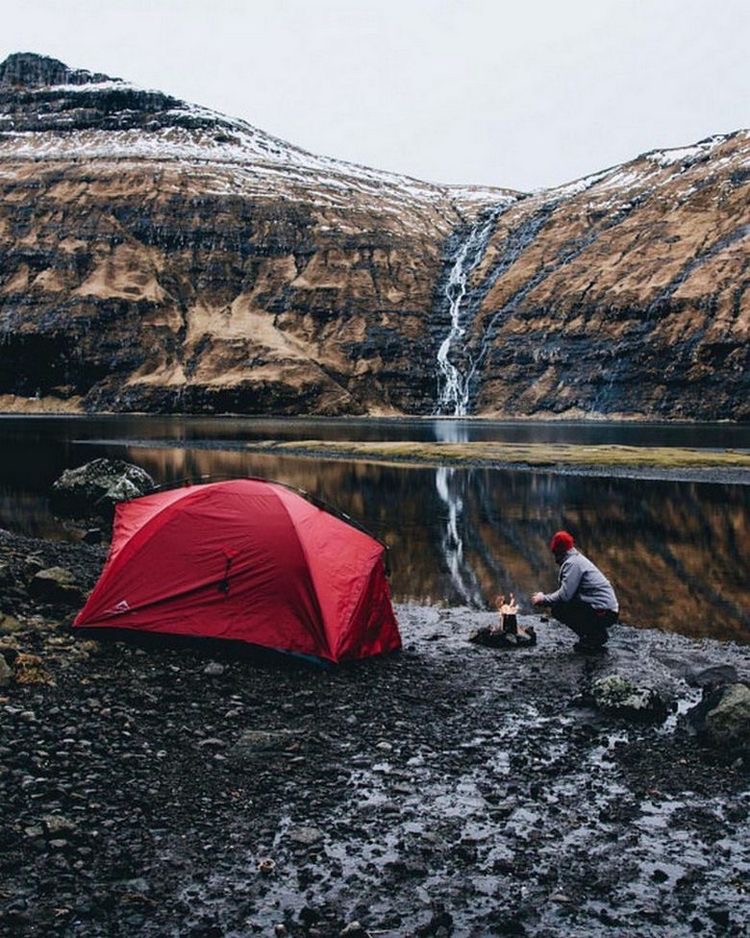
(561, 541)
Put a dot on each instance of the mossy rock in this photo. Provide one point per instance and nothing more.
(621, 697)
(722, 719)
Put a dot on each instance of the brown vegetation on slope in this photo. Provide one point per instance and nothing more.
(159, 257)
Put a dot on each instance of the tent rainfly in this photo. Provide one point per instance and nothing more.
(247, 560)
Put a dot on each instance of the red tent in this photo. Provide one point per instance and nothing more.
(247, 560)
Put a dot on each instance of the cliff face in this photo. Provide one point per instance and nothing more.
(623, 293)
(155, 255)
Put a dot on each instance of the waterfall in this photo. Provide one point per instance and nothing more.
(458, 365)
(453, 381)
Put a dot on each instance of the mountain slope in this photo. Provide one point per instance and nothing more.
(155, 255)
(624, 293)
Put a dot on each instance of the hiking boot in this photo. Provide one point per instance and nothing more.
(590, 648)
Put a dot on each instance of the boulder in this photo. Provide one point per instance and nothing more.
(99, 484)
(715, 676)
(722, 719)
(619, 696)
(57, 585)
(353, 930)
(9, 647)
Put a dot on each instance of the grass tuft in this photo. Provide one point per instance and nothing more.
(528, 454)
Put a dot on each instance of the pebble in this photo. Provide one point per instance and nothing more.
(352, 930)
(56, 824)
(306, 836)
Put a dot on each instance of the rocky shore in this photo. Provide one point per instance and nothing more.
(161, 789)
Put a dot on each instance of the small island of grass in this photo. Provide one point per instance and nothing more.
(600, 458)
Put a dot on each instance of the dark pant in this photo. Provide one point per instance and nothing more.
(589, 624)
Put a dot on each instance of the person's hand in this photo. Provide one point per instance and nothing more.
(537, 599)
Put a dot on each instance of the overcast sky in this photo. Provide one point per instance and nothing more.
(520, 93)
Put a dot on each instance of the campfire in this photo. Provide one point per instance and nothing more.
(506, 632)
(508, 615)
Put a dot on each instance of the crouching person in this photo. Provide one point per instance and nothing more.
(585, 600)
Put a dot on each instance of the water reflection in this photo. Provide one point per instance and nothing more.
(462, 575)
(236, 430)
(677, 552)
(448, 485)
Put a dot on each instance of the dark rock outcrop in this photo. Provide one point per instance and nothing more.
(27, 70)
(98, 484)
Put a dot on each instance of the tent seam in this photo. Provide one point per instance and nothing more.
(307, 564)
(140, 540)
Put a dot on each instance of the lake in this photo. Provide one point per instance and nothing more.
(677, 552)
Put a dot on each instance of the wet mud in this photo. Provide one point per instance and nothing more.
(172, 790)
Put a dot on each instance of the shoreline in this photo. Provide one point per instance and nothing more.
(388, 454)
(583, 418)
(448, 786)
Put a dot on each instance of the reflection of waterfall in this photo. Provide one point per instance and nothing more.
(448, 483)
(462, 576)
(453, 384)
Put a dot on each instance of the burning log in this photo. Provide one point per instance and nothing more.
(508, 614)
(505, 633)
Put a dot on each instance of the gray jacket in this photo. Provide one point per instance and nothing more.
(584, 581)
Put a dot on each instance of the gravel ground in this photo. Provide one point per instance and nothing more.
(179, 790)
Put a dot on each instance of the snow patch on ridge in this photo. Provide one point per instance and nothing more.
(685, 155)
(573, 188)
(191, 134)
(112, 84)
(246, 159)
